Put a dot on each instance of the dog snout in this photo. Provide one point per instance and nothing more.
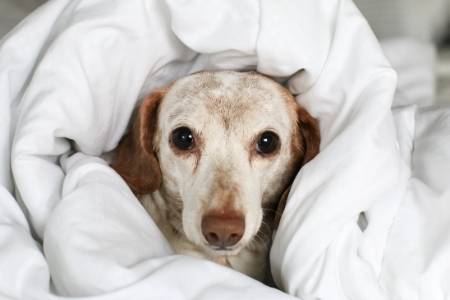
(223, 231)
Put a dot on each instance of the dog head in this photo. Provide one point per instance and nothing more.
(220, 147)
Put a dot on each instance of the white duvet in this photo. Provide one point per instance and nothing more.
(70, 76)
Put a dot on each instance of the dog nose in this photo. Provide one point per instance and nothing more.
(223, 231)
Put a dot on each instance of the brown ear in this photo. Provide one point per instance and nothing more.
(309, 147)
(135, 159)
(309, 130)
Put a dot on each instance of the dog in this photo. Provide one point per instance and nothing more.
(211, 156)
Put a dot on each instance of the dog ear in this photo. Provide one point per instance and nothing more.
(135, 159)
(310, 133)
(308, 143)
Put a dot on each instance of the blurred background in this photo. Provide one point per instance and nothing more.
(414, 34)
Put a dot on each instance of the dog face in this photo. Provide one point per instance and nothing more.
(220, 148)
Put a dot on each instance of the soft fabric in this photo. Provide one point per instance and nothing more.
(71, 75)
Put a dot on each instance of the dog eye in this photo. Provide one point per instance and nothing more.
(268, 143)
(183, 138)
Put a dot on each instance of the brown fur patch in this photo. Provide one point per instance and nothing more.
(309, 130)
(306, 134)
(135, 159)
(226, 111)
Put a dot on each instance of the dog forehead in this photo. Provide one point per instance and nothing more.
(230, 96)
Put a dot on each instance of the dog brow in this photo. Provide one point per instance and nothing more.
(173, 116)
(176, 112)
(183, 107)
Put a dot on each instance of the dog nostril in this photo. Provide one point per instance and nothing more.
(212, 238)
(234, 238)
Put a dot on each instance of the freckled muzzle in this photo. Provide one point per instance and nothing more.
(223, 231)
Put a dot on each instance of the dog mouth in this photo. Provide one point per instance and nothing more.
(222, 250)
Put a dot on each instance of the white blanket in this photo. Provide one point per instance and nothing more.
(70, 76)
